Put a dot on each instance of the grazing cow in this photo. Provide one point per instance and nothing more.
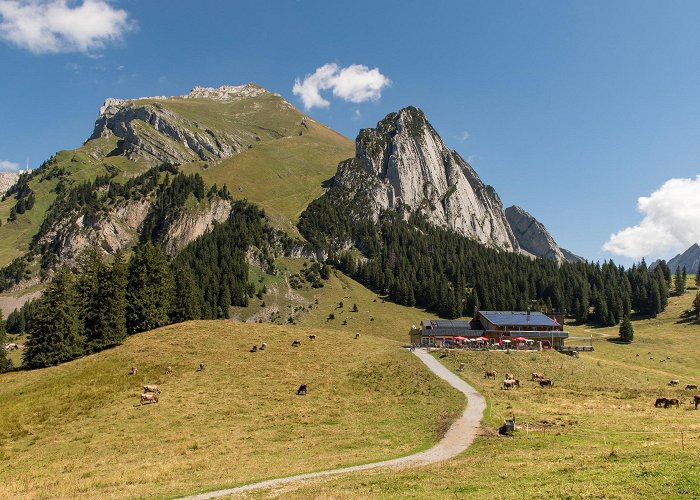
(151, 388)
(357, 335)
(517, 382)
(461, 367)
(169, 370)
(149, 398)
(133, 371)
(302, 389)
(490, 374)
(509, 376)
(673, 383)
(660, 402)
(201, 367)
(537, 376)
(696, 400)
(672, 402)
(254, 349)
(312, 337)
(263, 346)
(691, 386)
(508, 384)
(296, 343)
(545, 382)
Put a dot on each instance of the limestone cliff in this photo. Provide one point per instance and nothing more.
(7, 180)
(403, 163)
(688, 259)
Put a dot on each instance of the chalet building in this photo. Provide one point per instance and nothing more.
(494, 327)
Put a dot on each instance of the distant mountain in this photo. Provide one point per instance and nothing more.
(534, 238)
(690, 259)
(404, 164)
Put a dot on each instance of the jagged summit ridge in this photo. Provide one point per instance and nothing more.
(404, 163)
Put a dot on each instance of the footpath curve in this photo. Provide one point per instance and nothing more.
(457, 439)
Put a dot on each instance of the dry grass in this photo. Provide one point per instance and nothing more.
(77, 430)
(596, 433)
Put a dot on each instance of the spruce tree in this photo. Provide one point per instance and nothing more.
(626, 330)
(679, 282)
(697, 276)
(151, 289)
(56, 333)
(112, 321)
(696, 305)
(188, 298)
(90, 302)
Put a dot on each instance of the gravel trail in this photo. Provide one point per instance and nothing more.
(456, 440)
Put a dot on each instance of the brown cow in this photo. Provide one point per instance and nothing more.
(696, 400)
(169, 370)
(490, 374)
(691, 386)
(312, 337)
(302, 389)
(545, 382)
(134, 370)
(660, 402)
(149, 398)
(296, 343)
(508, 384)
(254, 349)
(673, 383)
(151, 388)
(672, 402)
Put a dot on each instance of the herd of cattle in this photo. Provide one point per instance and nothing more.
(511, 382)
(670, 402)
(151, 392)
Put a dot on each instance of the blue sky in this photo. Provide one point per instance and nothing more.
(573, 110)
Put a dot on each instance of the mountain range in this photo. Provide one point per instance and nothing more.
(690, 259)
(262, 149)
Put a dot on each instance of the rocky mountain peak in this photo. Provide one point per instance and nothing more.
(404, 163)
(227, 92)
(688, 259)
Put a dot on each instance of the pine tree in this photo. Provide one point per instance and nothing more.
(56, 333)
(188, 299)
(697, 276)
(626, 330)
(696, 305)
(90, 302)
(150, 291)
(112, 290)
(679, 281)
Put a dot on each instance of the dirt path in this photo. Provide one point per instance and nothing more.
(455, 441)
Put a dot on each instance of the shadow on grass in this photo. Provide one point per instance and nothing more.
(688, 317)
(617, 340)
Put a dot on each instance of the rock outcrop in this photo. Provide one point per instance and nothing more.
(690, 259)
(532, 236)
(404, 164)
(147, 129)
(7, 180)
(188, 227)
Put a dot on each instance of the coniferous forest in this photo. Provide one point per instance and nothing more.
(419, 264)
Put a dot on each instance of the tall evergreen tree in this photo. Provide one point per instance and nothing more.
(56, 334)
(90, 302)
(151, 289)
(679, 281)
(696, 305)
(626, 330)
(697, 276)
(188, 297)
(112, 289)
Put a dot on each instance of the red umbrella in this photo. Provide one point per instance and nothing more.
(482, 339)
(520, 339)
(459, 338)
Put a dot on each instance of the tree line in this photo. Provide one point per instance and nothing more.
(419, 264)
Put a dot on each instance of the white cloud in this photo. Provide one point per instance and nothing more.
(670, 225)
(53, 26)
(8, 166)
(355, 83)
(463, 136)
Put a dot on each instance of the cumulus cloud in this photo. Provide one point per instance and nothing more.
(53, 26)
(8, 166)
(670, 225)
(355, 83)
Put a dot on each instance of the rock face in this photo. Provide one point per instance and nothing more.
(688, 259)
(404, 164)
(7, 180)
(532, 236)
(147, 129)
(188, 227)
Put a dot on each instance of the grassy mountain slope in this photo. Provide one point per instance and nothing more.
(282, 170)
(78, 430)
(596, 433)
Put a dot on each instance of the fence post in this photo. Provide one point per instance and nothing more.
(682, 443)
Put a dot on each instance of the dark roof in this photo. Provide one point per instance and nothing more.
(447, 323)
(520, 318)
